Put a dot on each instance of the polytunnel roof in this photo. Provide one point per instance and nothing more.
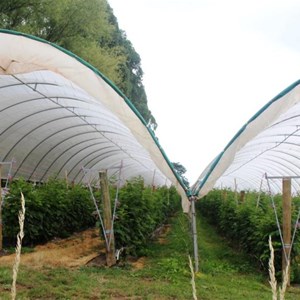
(58, 114)
(264, 150)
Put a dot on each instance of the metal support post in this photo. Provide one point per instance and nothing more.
(286, 223)
(194, 232)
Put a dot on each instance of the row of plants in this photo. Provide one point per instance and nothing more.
(56, 210)
(141, 210)
(53, 210)
(247, 224)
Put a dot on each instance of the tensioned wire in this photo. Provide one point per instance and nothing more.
(287, 256)
(107, 240)
(115, 205)
(277, 220)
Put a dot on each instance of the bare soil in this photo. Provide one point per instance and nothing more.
(83, 248)
(74, 251)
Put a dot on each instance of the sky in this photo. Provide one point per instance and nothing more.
(209, 66)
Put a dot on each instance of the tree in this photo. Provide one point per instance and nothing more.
(181, 170)
(88, 29)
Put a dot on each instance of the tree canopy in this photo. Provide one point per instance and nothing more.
(90, 30)
(181, 170)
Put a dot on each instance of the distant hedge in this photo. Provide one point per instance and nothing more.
(54, 210)
(248, 227)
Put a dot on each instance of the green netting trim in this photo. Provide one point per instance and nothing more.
(197, 189)
(110, 83)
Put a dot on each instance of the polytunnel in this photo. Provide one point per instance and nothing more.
(264, 150)
(59, 115)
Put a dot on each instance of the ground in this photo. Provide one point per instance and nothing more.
(83, 248)
(63, 269)
(74, 251)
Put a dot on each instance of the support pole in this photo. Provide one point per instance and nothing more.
(194, 231)
(153, 180)
(286, 222)
(1, 227)
(235, 192)
(224, 195)
(66, 178)
(242, 196)
(259, 194)
(107, 217)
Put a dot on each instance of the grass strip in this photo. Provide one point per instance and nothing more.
(163, 274)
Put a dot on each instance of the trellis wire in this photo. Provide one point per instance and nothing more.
(296, 223)
(5, 189)
(260, 190)
(97, 209)
(115, 205)
(107, 240)
(277, 220)
(295, 229)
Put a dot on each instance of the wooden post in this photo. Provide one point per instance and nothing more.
(259, 194)
(153, 180)
(1, 227)
(286, 221)
(107, 219)
(66, 178)
(242, 196)
(235, 192)
(224, 195)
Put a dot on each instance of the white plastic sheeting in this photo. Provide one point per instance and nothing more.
(268, 145)
(58, 114)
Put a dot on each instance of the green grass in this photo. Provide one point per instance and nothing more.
(224, 274)
(228, 274)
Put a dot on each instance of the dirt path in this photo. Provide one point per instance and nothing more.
(78, 250)
(75, 251)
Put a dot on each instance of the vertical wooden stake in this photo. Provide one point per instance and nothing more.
(242, 196)
(235, 192)
(107, 219)
(259, 194)
(66, 178)
(224, 195)
(153, 180)
(286, 221)
(1, 227)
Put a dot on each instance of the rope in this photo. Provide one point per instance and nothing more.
(235, 192)
(115, 206)
(97, 209)
(295, 229)
(259, 194)
(5, 189)
(105, 232)
(277, 221)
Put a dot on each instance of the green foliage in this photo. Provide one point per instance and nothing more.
(181, 170)
(88, 29)
(140, 212)
(52, 210)
(166, 274)
(248, 227)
